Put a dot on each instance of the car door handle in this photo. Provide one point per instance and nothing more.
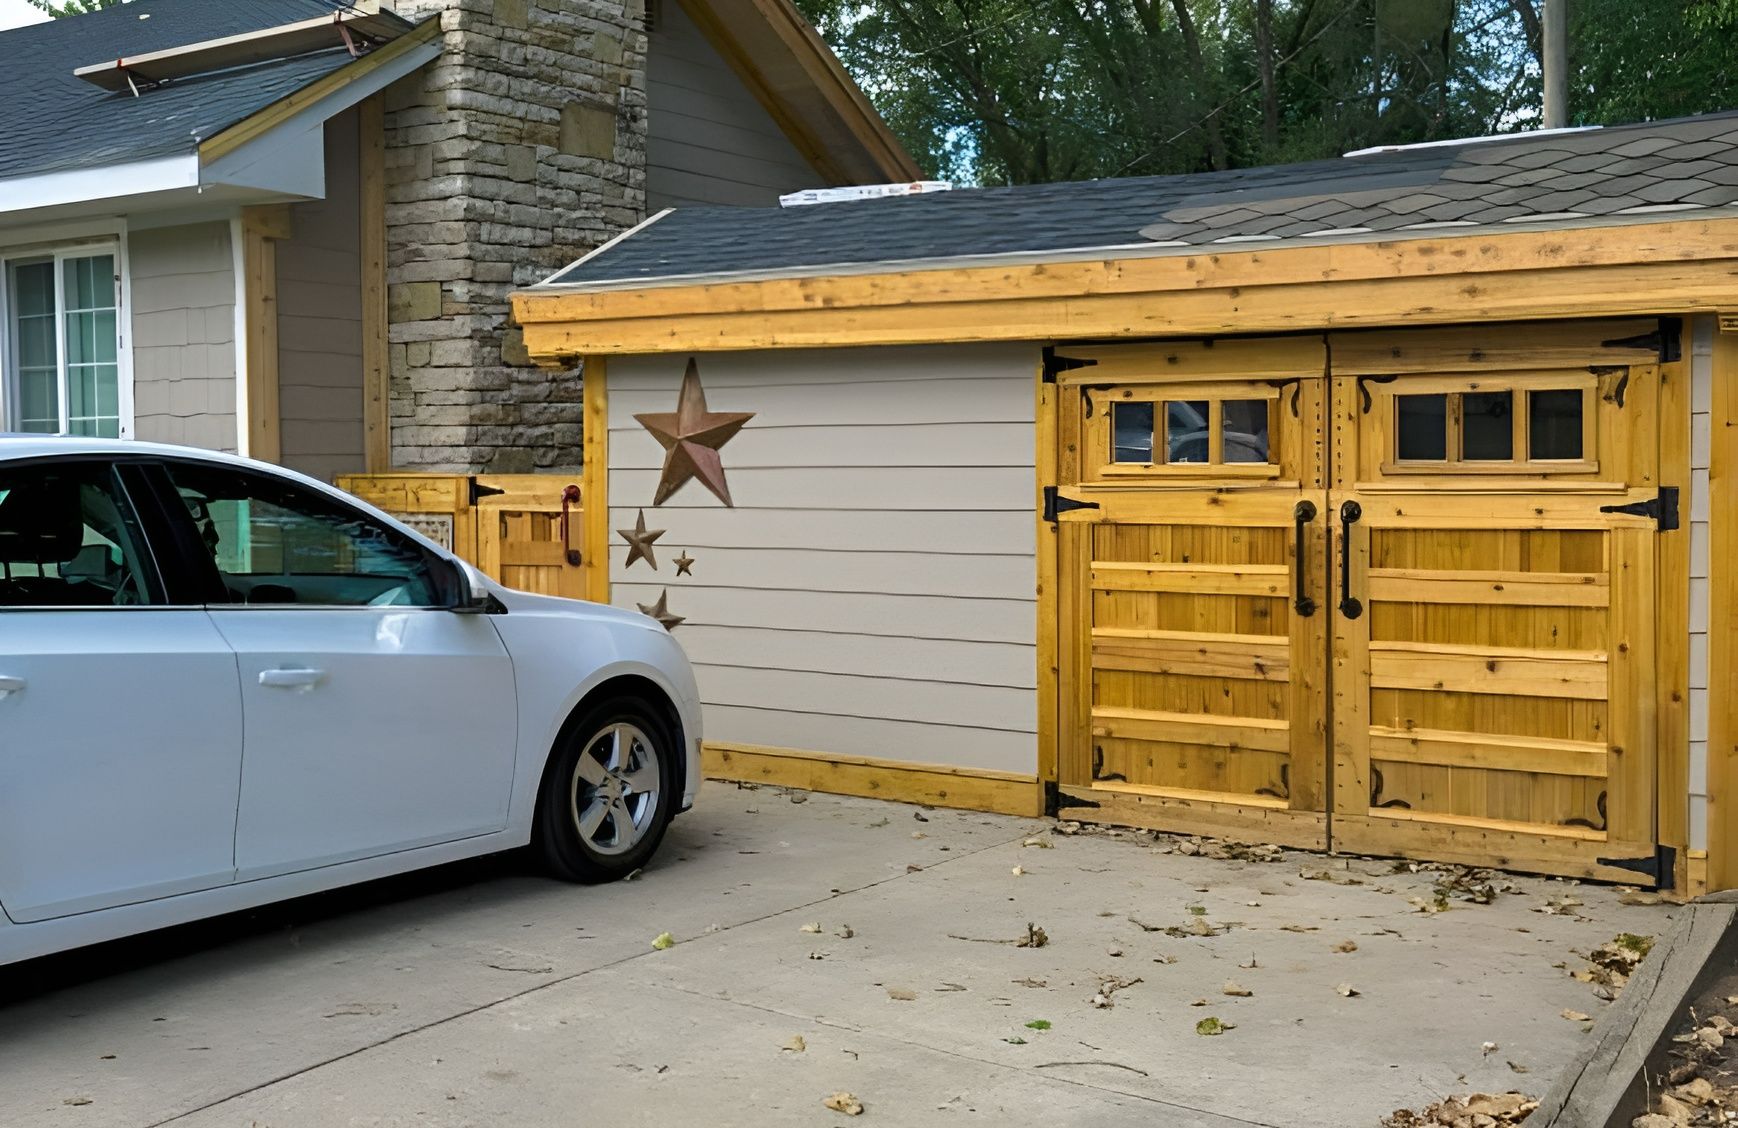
(306, 678)
(10, 685)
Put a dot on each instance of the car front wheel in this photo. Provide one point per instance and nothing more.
(609, 795)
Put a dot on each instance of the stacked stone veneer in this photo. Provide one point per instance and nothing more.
(521, 148)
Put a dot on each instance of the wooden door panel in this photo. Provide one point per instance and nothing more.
(528, 536)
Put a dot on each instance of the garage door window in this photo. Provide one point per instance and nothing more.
(1533, 425)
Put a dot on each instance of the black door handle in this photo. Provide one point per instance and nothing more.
(1302, 515)
(1349, 514)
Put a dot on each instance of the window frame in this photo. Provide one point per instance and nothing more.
(197, 572)
(1520, 386)
(1101, 437)
(112, 242)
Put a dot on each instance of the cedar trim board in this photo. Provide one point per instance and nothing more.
(974, 789)
(1149, 809)
(1606, 1086)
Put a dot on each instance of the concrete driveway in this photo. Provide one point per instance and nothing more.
(481, 995)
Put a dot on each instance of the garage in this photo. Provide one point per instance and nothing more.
(1373, 505)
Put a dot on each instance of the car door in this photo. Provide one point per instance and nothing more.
(376, 719)
(120, 711)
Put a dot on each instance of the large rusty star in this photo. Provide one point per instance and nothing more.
(691, 437)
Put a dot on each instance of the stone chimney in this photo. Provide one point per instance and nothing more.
(517, 151)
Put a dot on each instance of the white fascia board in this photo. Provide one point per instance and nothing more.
(114, 182)
(278, 159)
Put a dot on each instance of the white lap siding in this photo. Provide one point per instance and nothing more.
(183, 339)
(873, 592)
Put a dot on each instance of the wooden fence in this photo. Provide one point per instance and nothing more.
(524, 530)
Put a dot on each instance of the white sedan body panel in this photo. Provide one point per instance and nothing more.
(114, 786)
(381, 740)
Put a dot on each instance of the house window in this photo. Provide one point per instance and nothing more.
(62, 332)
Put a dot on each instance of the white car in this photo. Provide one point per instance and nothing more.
(224, 684)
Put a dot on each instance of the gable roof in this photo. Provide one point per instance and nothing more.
(1561, 180)
(57, 122)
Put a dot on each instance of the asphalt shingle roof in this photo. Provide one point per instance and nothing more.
(1560, 179)
(57, 123)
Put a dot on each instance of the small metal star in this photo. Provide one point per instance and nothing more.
(640, 540)
(661, 611)
(683, 563)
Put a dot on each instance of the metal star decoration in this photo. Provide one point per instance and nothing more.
(640, 540)
(684, 562)
(691, 437)
(661, 611)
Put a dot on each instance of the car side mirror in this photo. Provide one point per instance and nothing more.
(473, 596)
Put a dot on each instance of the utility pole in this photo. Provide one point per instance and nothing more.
(1556, 64)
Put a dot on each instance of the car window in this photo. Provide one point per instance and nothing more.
(68, 538)
(276, 542)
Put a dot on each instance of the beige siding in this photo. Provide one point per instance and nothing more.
(320, 320)
(708, 141)
(873, 592)
(1701, 401)
(183, 334)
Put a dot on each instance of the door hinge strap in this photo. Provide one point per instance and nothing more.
(1055, 504)
(1663, 508)
(1054, 800)
(1666, 340)
(1662, 866)
(479, 491)
(1056, 365)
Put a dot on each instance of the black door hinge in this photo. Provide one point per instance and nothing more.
(1663, 508)
(1055, 365)
(1055, 504)
(480, 491)
(1054, 800)
(1666, 340)
(1661, 866)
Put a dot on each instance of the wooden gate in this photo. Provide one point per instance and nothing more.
(522, 529)
(1462, 667)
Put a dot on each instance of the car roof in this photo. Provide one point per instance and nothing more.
(14, 445)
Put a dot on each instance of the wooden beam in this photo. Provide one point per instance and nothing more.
(1723, 619)
(260, 228)
(1049, 608)
(901, 781)
(594, 477)
(376, 357)
(1467, 258)
(1672, 620)
(235, 136)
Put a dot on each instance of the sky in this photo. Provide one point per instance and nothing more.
(16, 13)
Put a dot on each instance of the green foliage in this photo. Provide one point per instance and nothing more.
(1025, 91)
(59, 8)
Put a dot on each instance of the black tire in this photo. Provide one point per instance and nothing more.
(582, 781)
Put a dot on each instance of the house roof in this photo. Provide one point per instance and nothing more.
(1678, 169)
(57, 122)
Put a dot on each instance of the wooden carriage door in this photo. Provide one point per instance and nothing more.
(1495, 510)
(529, 532)
(1192, 639)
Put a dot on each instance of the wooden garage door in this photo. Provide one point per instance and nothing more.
(1461, 665)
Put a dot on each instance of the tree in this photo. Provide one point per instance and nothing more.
(59, 8)
(1023, 91)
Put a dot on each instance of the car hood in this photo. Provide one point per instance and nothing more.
(577, 608)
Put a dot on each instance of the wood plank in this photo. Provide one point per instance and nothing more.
(1471, 510)
(1193, 653)
(371, 244)
(1723, 619)
(1491, 588)
(1258, 504)
(1506, 671)
(1467, 259)
(1167, 361)
(1476, 348)
(1196, 579)
(1049, 609)
(594, 476)
(1236, 822)
(1256, 733)
(260, 227)
(1671, 615)
(898, 781)
(1489, 752)
(1348, 727)
(1568, 851)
